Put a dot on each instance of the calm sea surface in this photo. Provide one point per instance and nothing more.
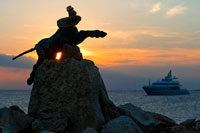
(178, 108)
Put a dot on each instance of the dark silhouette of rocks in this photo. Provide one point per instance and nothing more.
(67, 33)
(149, 121)
(69, 96)
(72, 94)
(71, 51)
(122, 124)
(15, 121)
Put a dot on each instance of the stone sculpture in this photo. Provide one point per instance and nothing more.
(67, 33)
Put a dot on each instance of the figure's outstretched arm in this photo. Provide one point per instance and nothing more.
(83, 34)
(92, 33)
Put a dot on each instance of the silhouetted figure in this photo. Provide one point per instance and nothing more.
(66, 34)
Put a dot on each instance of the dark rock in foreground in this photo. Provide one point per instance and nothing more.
(14, 121)
(149, 121)
(122, 124)
(69, 96)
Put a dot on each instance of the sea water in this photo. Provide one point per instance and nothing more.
(179, 108)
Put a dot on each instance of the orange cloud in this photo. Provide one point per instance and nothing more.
(145, 57)
(13, 74)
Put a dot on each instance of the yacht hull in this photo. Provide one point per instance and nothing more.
(164, 91)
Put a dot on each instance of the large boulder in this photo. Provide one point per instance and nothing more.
(148, 121)
(69, 95)
(23, 121)
(196, 126)
(90, 130)
(188, 123)
(188, 126)
(7, 122)
(14, 120)
(122, 124)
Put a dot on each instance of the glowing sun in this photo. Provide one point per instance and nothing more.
(58, 55)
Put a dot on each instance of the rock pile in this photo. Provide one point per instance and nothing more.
(14, 120)
(70, 96)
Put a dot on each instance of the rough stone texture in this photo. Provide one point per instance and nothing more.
(149, 121)
(72, 51)
(162, 122)
(138, 114)
(90, 130)
(57, 124)
(71, 92)
(7, 121)
(190, 126)
(14, 121)
(46, 132)
(196, 126)
(188, 123)
(174, 129)
(16, 108)
(109, 110)
(22, 121)
(122, 124)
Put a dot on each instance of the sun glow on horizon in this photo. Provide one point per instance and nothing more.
(87, 52)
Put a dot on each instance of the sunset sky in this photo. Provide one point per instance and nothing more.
(146, 38)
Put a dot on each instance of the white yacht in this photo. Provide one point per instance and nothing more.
(167, 86)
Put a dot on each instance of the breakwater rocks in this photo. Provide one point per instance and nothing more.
(69, 96)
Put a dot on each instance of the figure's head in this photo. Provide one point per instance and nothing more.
(68, 21)
(72, 20)
(71, 11)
